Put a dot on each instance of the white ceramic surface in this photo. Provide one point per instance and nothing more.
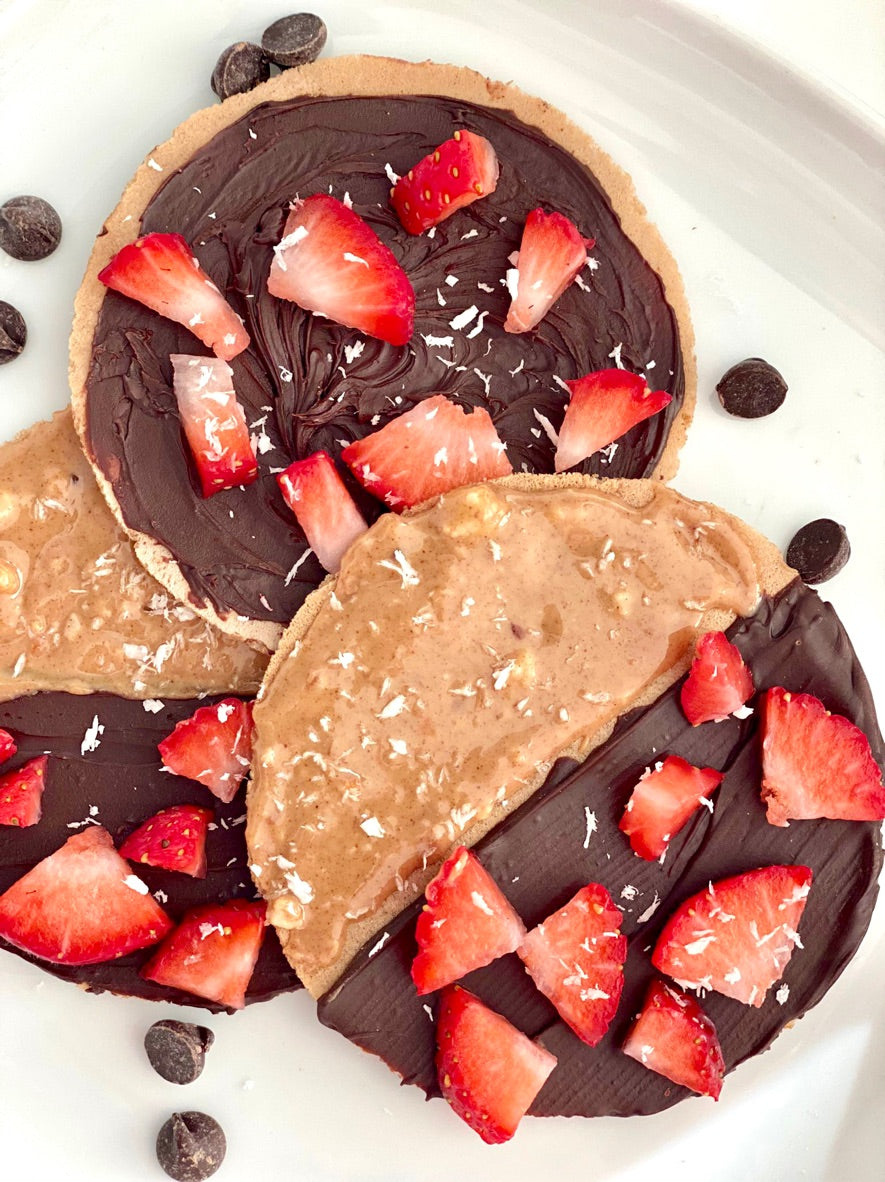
(766, 188)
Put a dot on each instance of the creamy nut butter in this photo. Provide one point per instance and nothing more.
(77, 610)
(461, 648)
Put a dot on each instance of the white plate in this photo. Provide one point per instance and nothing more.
(766, 190)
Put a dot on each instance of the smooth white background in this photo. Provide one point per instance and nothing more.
(762, 174)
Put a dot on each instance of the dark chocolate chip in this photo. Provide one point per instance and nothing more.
(177, 1050)
(819, 550)
(191, 1146)
(751, 389)
(294, 40)
(240, 68)
(13, 332)
(29, 228)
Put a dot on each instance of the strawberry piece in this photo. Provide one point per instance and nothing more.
(662, 802)
(160, 271)
(21, 792)
(213, 421)
(8, 746)
(489, 1072)
(737, 936)
(432, 448)
(329, 261)
(326, 511)
(212, 952)
(674, 1037)
(551, 254)
(81, 905)
(576, 958)
(718, 682)
(466, 923)
(213, 747)
(456, 174)
(604, 405)
(172, 839)
(816, 764)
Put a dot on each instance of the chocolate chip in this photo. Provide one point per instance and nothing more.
(29, 228)
(240, 68)
(294, 40)
(751, 389)
(191, 1146)
(819, 550)
(177, 1050)
(13, 332)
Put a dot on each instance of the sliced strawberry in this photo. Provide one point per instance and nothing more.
(736, 936)
(466, 923)
(576, 958)
(551, 254)
(21, 792)
(603, 406)
(212, 952)
(432, 448)
(662, 802)
(213, 422)
(718, 682)
(172, 839)
(81, 905)
(488, 1071)
(674, 1037)
(459, 172)
(7, 746)
(326, 511)
(816, 764)
(160, 271)
(213, 747)
(329, 261)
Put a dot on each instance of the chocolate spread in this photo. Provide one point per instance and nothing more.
(306, 383)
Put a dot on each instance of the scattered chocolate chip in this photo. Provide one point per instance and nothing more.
(819, 550)
(751, 389)
(240, 68)
(29, 228)
(191, 1146)
(13, 332)
(177, 1050)
(294, 40)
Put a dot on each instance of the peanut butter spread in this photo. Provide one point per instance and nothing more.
(460, 650)
(77, 610)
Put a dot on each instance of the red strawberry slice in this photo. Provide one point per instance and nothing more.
(8, 747)
(551, 254)
(432, 448)
(21, 792)
(212, 952)
(456, 174)
(489, 1072)
(172, 839)
(674, 1037)
(329, 261)
(326, 511)
(662, 802)
(81, 905)
(738, 935)
(213, 422)
(213, 747)
(816, 764)
(604, 405)
(576, 958)
(160, 271)
(718, 682)
(466, 923)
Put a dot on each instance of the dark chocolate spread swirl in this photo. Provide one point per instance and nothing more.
(306, 383)
(546, 851)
